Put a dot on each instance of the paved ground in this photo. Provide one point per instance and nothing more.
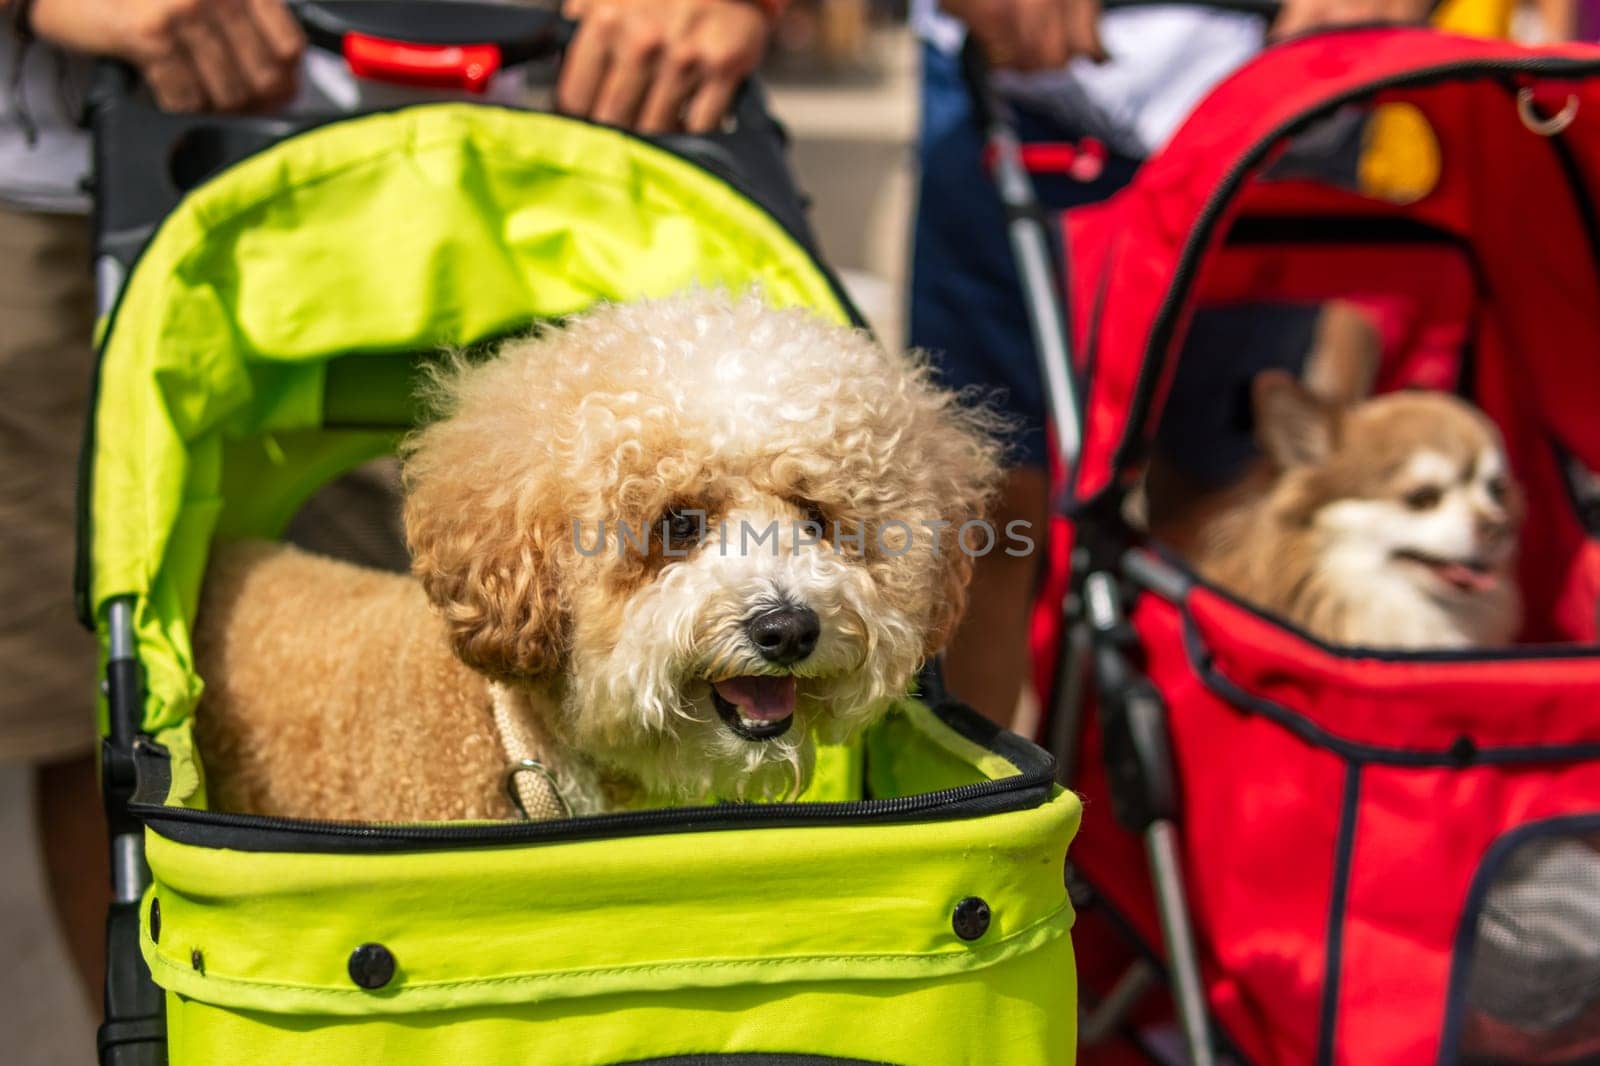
(47, 1020)
(852, 155)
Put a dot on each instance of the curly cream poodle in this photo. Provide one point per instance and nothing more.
(658, 553)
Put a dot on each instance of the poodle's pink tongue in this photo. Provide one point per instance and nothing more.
(761, 699)
(1467, 578)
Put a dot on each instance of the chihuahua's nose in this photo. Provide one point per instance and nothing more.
(784, 635)
(1493, 528)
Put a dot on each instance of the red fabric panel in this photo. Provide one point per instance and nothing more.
(1420, 838)
(1261, 812)
(1403, 703)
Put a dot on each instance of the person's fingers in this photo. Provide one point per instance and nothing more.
(265, 77)
(1042, 36)
(1083, 30)
(211, 54)
(285, 40)
(677, 74)
(628, 76)
(584, 65)
(995, 25)
(174, 83)
(711, 100)
(1295, 17)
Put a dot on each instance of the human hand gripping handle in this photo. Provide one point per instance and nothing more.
(661, 66)
(1029, 35)
(1301, 16)
(1032, 34)
(195, 55)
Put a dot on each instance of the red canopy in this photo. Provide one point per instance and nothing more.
(1520, 203)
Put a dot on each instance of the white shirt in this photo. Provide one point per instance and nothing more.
(1164, 60)
(42, 170)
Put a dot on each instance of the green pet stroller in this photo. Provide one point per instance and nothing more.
(272, 285)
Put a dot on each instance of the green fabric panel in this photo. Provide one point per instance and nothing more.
(600, 917)
(391, 233)
(1018, 1012)
(677, 918)
(912, 753)
(266, 478)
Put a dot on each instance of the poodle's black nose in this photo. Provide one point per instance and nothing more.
(784, 635)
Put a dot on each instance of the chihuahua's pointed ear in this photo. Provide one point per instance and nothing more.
(1342, 366)
(1294, 427)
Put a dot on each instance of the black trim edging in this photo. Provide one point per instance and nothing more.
(1349, 811)
(1030, 788)
(1462, 753)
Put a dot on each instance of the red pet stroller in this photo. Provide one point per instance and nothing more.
(1334, 854)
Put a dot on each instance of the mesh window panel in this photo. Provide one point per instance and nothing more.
(1533, 989)
(357, 519)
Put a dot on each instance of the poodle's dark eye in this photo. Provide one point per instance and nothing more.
(1424, 497)
(1498, 487)
(816, 516)
(683, 527)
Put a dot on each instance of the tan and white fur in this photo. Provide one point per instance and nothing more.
(337, 692)
(1385, 522)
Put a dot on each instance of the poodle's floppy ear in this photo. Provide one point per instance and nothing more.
(492, 579)
(964, 453)
(950, 597)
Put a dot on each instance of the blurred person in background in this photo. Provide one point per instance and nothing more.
(229, 56)
(1115, 85)
(659, 65)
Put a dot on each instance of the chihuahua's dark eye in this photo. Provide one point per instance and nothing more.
(1498, 487)
(683, 527)
(1424, 497)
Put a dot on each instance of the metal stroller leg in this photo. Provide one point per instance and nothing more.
(1066, 710)
(134, 1031)
(1188, 990)
(1143, 794)
(1096, 1025)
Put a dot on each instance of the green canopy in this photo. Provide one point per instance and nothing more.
(239, 370)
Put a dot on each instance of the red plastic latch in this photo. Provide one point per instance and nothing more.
(450, 66)
(1084, 161)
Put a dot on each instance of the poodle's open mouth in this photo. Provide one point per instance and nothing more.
(755, 707)
(1465, 575)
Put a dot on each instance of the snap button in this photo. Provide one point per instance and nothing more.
(1463, 751)
(971, 918)
(371, 965)
(155, 921)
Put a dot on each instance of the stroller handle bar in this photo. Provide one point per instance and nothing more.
(147, 159)
(458, 45)
(1267, 9)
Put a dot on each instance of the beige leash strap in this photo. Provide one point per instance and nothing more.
(529, 783)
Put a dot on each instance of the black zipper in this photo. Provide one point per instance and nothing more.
(1134, 436)
(1031, 787)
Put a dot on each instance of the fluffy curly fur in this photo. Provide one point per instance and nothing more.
(761, 420)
